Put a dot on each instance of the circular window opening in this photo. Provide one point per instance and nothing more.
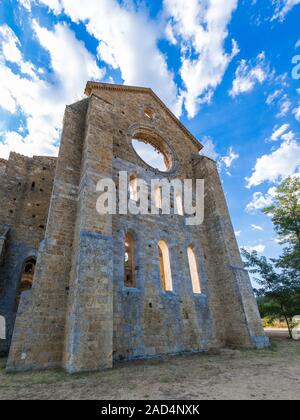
(156, 156)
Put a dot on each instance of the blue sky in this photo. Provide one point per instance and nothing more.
(223, 67)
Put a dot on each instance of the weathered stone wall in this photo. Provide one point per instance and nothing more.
(40, 327)
(147, 320)
(79, 315)
(235, 312)
(89, 326)
(3, 164)
(25, 191)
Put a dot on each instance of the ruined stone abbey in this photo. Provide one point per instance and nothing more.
(80, 290)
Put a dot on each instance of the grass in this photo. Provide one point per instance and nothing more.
(273, 347)
(272, 373)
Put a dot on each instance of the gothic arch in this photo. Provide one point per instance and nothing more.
(165, 266)
(26, 279)
(194, 272)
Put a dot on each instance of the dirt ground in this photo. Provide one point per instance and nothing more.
(231, 374)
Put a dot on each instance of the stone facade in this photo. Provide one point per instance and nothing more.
(79, 315)
(25, 192)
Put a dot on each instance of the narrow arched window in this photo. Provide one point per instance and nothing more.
(165, 267)
(158, 196)
(26, 278)
(133, 189)
(179, 205)
(194, 270)
(129, 272)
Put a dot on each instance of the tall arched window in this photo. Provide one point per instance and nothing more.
(179, 204)
(158, 196)
(165, 267)
(194, 270)
(129, 272)
(133, 190)
(26, 279)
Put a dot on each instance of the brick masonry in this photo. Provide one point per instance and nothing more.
(25, 191)
(78, 314)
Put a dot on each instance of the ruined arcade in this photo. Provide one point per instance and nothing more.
(80, 290)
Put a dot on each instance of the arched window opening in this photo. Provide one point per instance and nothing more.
(129, 280)
(158, 196)
(179, 204)
(165, 267)
(26, 279)
(133, 189)
(194, 270)
(152, 149)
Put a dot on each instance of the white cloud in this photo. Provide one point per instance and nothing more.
(127, 41)
(272, 97)
(279, 164)
(228, 160)
(26, 4)
(285, 105)
(257, 227)
(260, 201)
(149, 155)
(296, 112)
(40, 102)
(260, 249)
(10, 50)
(7, 101)
(238, 233)
(282, 7)
(127, 38)
(277, 134)
(209, 148)
(200, 28)
(249, 74)
(9, 45)
(297, 44)
(281, 80)
(278, 97)
(72, 64)
(54, 5)
(170, 34)
(288, 136)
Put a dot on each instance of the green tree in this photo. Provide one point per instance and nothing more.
(285, 214)
(279, 292)
(279, 279)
